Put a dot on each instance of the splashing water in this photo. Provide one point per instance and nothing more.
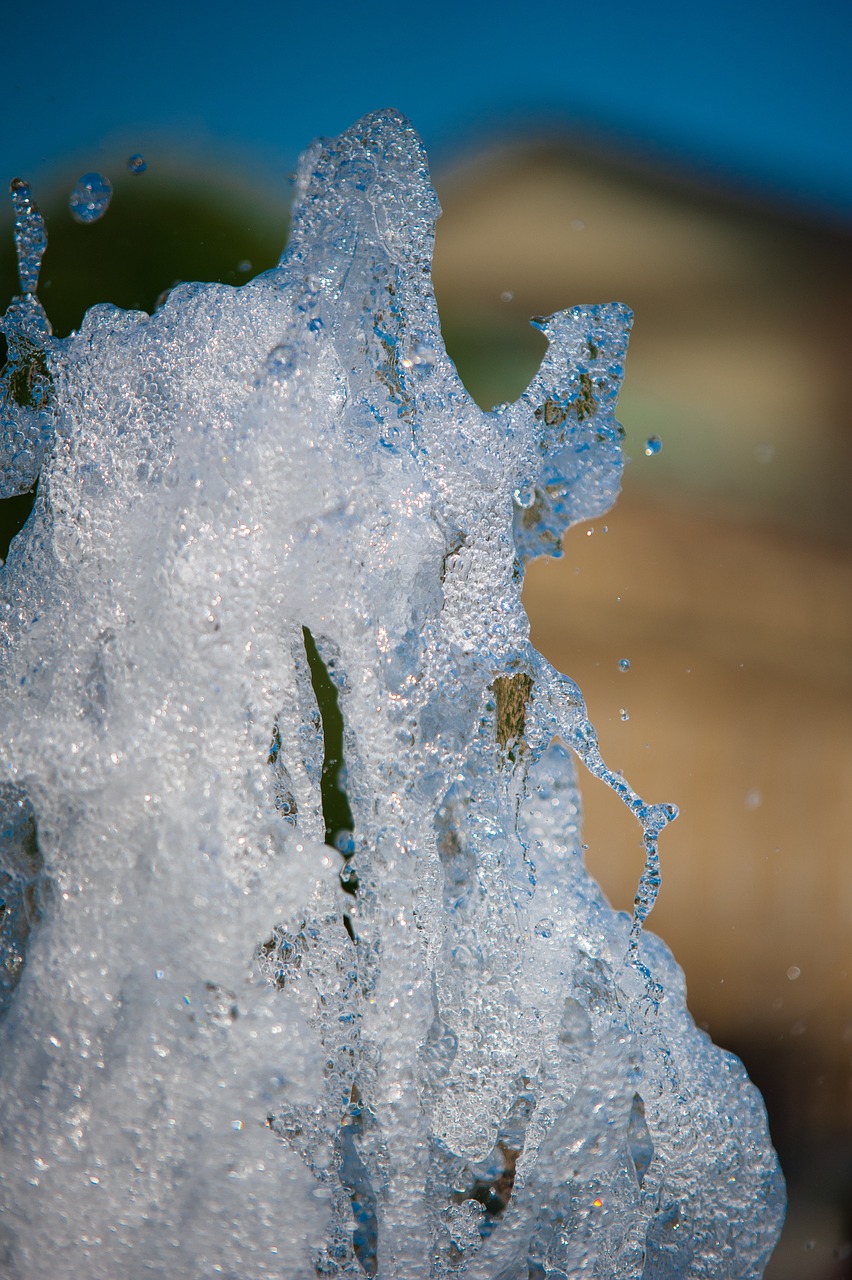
(267, 1016)
(30, 235)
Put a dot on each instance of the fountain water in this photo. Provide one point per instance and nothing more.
(261, 1019)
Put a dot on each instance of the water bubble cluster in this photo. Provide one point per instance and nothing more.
(30, 235)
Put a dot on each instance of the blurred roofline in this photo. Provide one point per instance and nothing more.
(699, 179)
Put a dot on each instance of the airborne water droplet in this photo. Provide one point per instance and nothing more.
(624, 664)
(137, 163)
(624, 714)
(90, 198)
(653, 445)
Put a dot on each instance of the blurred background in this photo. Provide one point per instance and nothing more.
(696, 164)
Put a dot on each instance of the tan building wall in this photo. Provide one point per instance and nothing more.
(725, 577)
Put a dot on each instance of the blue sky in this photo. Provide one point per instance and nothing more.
(760, 95)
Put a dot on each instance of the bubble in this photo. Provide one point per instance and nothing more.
(653, 445)
(420, 357)
(624, 713)
(506, 295)
(90, 198)
(524, 496)
(794, 972)
(624, 664)
(137, 163)
(544, 928)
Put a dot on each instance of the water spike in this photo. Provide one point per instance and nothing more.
(30, 234)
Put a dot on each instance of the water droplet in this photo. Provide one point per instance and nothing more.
(754, 799)
(90, 198)
(524, 496)
(544, 928)
(577, 224)
(653, 445)
(794, 972)
(624, 664)
(624, 713)
(764, 453)
(506, 295)
(137, 163)
(244, 265)
(30, 234)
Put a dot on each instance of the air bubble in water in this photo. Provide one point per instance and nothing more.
(90, 198)
(137, 163)
(653, 445)
(421, 356)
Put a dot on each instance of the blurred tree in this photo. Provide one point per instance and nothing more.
(156, 232)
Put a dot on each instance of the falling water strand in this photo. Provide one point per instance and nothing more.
(30, 235)
(576, 729)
